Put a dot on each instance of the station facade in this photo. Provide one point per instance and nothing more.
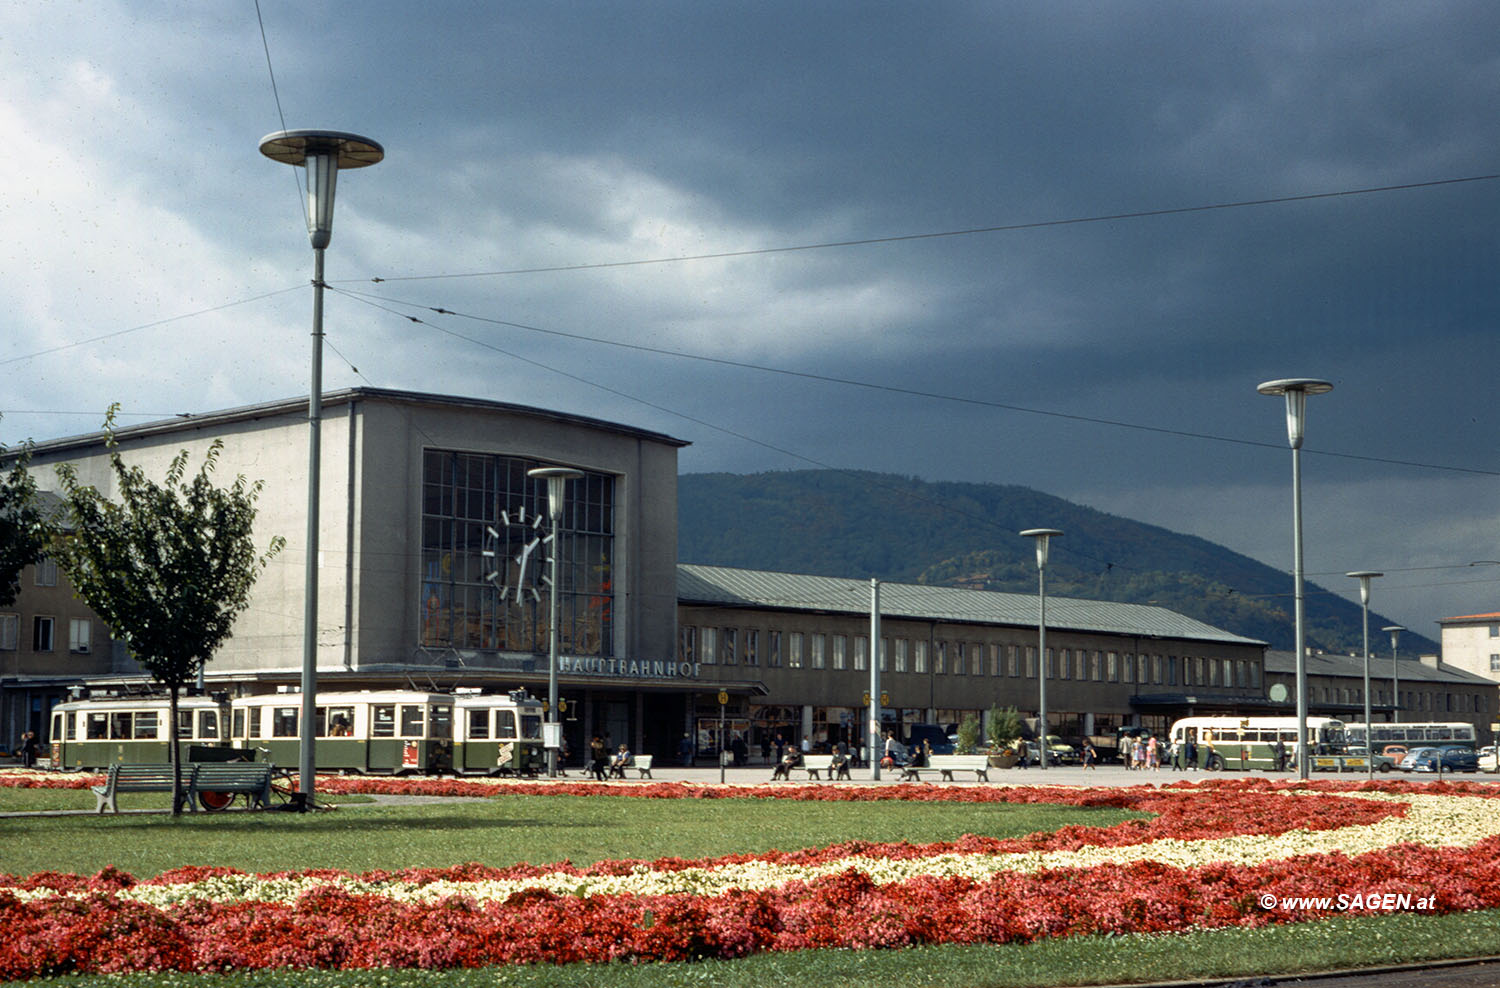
(432, 574)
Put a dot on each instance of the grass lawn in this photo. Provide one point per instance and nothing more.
(543, 829)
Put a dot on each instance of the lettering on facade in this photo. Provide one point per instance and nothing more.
(629, 668)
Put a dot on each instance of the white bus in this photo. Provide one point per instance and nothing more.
(1412, 735)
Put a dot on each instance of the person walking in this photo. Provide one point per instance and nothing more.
(598, 757)
(1088, 755)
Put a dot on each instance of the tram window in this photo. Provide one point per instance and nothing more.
(119, 725)
(383, 721)
(70, 727)
(340, 721)
(531, 726)
(146, 724)
(442, 721)
(479, 724)
(505, 723)
(208, 725)
(284, 722)
(97, 727)
(184, 724)
(412, 719)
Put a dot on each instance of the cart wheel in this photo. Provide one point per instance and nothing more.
(213, 802)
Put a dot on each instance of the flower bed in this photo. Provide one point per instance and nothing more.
(1218, 854)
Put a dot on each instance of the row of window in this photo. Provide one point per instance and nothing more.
(44, 633)
(816, 650)
(1461, 703)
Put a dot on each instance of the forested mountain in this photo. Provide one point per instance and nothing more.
(842, 523)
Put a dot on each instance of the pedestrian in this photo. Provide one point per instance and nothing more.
(740, 750)
(1153, 755)
(1280, 755)
(1127, 753)
(28, 749)
(780, 747)
(685, 750)
(1190, 753)
(1088, 754)
(765, 747)
(598, 757)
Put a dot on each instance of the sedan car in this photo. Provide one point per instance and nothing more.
(1454, 758)
(1409, 761)
(1489, 759)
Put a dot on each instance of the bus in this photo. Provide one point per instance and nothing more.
(1250, 742)
(1413, 735)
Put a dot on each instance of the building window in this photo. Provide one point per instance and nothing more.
(840, 650)
(80, 635)
(960, 658)
(708, 646)
(1494, 660)
(483, 559)
(1013, 658)
(1112, 666)
(41, 634)
(940, 658)
(1051, 661)
(1030, 661)
(752, 647)
(885, 654)
(1065, 667)
(903, 646)
(729, 641)
(1495, 631)
(861, 653)
(10, 630)
(773, 642)
(819, 648)
(919, 659)
(1127, 669)
(1171, 670)
(46, 572)
(687, 644)
(794, 651)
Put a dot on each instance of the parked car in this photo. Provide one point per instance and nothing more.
(934, 734)
(1489, 759)
(1383, 762)
(1454, 758)
(1395, 752)
(1409, 762)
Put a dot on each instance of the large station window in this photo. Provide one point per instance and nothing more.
(486, 551)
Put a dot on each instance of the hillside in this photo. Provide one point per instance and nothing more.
(840, 523)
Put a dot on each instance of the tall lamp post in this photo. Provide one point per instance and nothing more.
(557, 478)
(1394, 630)
(1296, 390)
(1042, 537)
(320, 153)
(1364, 577)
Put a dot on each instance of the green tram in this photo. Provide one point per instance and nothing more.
(498, 734)
(1246, 743)
(97, 733)
(389, 732)
(1416, 735)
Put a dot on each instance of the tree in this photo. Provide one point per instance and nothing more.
(1004, 726)
(169, 567)
(968, 735)
(24, 529)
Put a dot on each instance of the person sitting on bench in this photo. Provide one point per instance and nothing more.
(620, 764)
(789, 761)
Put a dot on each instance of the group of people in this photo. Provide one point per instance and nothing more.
(602, 765)
(1141, 753)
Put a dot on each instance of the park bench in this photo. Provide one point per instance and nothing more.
(228, 779)
(946, 765)
(816, 764)
(642, 764)
(125, 777)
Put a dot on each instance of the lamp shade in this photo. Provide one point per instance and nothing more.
(322, 153)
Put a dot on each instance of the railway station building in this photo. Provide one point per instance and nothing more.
(431, 574)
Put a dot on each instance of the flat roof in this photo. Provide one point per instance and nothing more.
(729, 587)
(347, 396)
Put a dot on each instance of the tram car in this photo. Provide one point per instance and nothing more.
(497, 734)
(389, 732)
(97, 733)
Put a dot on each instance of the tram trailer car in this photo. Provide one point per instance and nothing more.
(1250, 742)
(97, 733)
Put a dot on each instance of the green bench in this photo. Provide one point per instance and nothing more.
(138, 778)
(215, 784)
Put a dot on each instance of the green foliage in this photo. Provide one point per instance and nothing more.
(25, 531)
(170, 566)
(968, 735)
(1005, 726)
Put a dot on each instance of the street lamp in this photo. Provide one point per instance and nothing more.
(1041, 535)
(1296, 390)
(1395, 632)
(320, 153)
(556, 478)
(1364, 577)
